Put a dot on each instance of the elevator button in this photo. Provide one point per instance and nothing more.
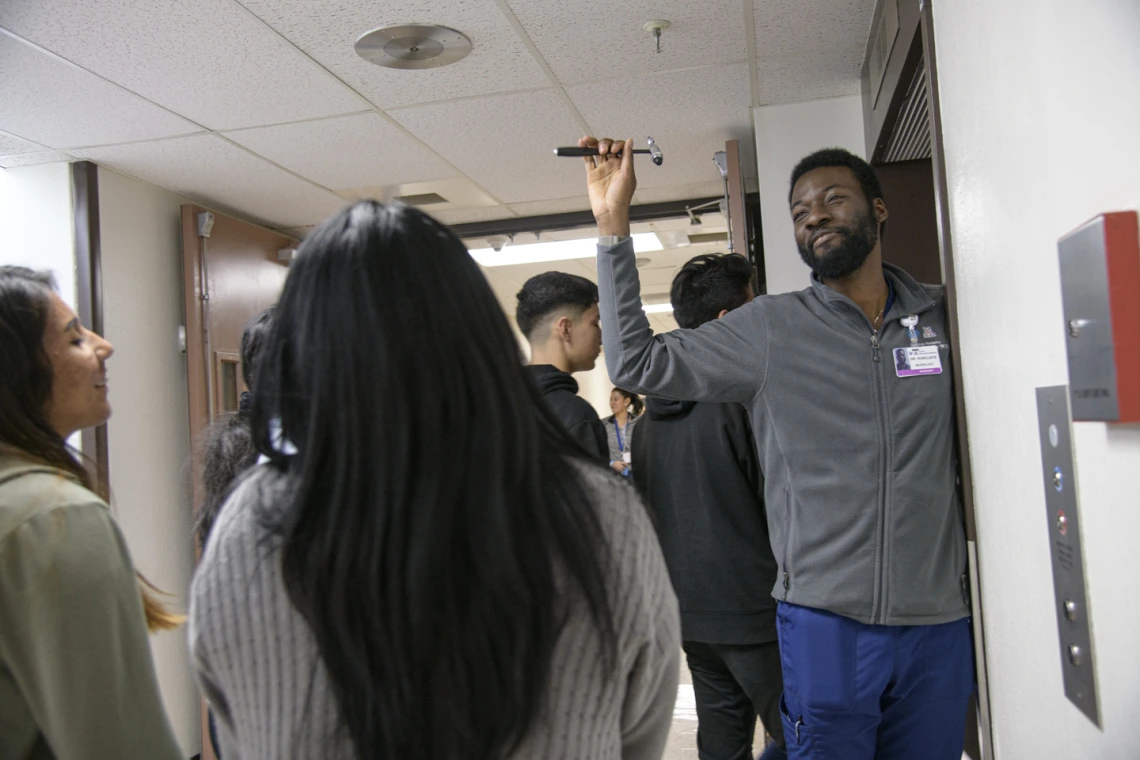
(1075, 654)
(1070, 609)
(1058, 479)
(1062, 522)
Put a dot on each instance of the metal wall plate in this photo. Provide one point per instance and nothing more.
(413, 46)
(1070, 598)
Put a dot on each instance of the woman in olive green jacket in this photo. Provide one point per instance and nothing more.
(76, 675)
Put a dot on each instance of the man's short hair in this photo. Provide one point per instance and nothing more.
(868, 180)
(707, 285)
(544, 294)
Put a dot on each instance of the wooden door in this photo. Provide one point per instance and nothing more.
(228, 278)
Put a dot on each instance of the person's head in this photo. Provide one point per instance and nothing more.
(252, 341)
(558, 314)
(837, 210)
(427, 506)
(709, 286)
(53, 382)
(622, 400)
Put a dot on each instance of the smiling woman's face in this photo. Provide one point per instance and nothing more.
(78, 359)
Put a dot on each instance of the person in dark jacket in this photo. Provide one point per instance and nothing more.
(696, 465)
(558, 314)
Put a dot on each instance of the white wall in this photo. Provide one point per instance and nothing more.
(36, 224)
(784, 135)
(1040, 106)
(149, 431)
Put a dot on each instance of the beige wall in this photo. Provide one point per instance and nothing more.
(1040, 107)
(149, 430)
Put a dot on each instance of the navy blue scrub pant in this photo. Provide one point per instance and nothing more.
(854, 691)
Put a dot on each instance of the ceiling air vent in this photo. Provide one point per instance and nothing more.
(704, 238)
(422, 199)
(910, 138)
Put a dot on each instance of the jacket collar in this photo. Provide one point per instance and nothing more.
(12, 467)
(910, 296)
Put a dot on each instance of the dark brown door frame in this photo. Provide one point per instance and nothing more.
(89, 286)
(946, 250)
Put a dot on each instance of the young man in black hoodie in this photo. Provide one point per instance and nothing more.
(697, 467)
(558, 314)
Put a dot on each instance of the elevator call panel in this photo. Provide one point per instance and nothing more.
(1100, 291)
(1064, 529)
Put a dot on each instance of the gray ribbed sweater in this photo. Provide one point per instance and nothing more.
(255, 656)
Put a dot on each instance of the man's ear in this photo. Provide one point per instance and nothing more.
(881, 212)
(562, 329)
(722, 313)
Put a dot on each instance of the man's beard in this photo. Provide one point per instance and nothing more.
(848, 254)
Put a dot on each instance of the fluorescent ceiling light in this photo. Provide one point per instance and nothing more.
(657, 308)
(556, 250)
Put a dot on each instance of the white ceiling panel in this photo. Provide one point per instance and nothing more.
(28, 159)
(208, 60)
(808, 49)
(708, 189)
(716, 107)
(465, 215)
(207, 169)
(504, 142)
(346, 152)
(328, 29)
(579, 50)
(10, 145)
(557, 206)
(56, 104)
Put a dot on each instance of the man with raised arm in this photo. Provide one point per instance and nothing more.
(858, 458)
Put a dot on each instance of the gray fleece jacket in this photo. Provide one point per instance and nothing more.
(859, 463)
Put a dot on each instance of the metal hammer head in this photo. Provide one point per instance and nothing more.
(655, 152)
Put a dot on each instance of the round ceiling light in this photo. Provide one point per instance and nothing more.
(413, 46)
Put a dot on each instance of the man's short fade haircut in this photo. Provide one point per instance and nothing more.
(708, 285)
(828, 157)
(546, 293)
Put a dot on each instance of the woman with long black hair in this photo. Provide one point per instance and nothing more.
(627, 408)
(426, 567)
(76, 674)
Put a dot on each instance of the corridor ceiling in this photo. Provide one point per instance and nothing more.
(262, 108)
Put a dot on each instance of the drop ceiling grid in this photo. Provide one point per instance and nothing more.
(30, 159)
(206, 60)
(11, 145)
(499, 60)
(41, 95)
(346, 152)
(717, 102)
(705, 189)
(206, 168)
(567, 36)
(503, 142)
(808, 49)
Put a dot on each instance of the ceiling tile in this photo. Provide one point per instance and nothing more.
(714, 187)
(504, 142)
(809, 49)
(56, 104)
(557, 206)
(328, 29)
(28, 159)
(702, 33)
(209, 170)
(208, 60)
(465, 215)
(717, 104)
(346, 152)
(11, 145)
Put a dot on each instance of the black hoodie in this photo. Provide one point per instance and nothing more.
(560, 391)
(696, 466)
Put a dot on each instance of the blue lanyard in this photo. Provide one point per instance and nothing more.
(617, 429)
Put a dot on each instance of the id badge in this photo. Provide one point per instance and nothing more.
(627, 457)
(917, 360)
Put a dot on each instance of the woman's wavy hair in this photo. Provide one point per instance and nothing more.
(435, 523)
(637, 406)
(25, 387)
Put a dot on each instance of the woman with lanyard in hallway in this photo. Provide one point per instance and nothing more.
(626, 408)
